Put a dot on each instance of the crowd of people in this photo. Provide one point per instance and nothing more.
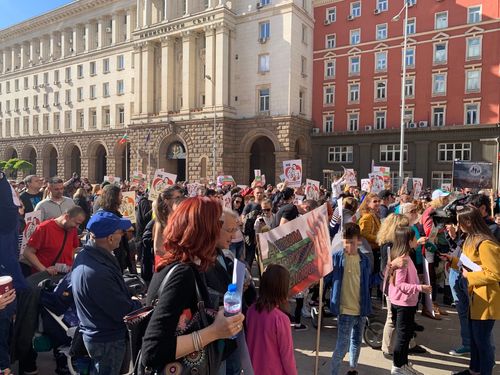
(184, 247)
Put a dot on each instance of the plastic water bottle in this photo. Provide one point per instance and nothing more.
(232, 301)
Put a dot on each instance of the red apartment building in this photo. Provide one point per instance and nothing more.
(452, 85)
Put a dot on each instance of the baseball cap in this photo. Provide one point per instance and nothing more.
(104, 223)
(438, 193)
(385, 194)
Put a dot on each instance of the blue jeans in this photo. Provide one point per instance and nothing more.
(462, 301)
(482, 355)
(107, 357)
(349, 335)
(238, 249)
(239, 361)
(452, 280)
(4, 343)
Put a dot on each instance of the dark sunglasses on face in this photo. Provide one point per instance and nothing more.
(266, 209)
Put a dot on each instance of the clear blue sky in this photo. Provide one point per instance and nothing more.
(12, 11)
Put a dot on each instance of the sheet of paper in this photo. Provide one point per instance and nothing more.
(467, 263)
(239, 274)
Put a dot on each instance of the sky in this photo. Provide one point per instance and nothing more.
(15, 11)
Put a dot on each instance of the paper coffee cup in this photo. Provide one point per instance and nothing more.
(5, 284)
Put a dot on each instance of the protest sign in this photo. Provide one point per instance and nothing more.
(225, 180)
(127, 207)
(226, 201)
(301, 246)
(386, 172)
(293, 172)
(417, 184)
(428, 296)
(193, 189)
(138, 180)
(299, 199)
(376, 182)
(282, 177)
(446, 187)
(468, 174)
(365, 184)
(161, 180)
(312, 189)
(260, 179)
(32, 220)
(112, 180)
(350, 177)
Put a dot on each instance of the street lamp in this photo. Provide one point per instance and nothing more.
(403, 82)
(215, 130)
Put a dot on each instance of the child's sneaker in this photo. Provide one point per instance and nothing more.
(300, 327)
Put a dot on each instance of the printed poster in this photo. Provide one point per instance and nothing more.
(293, 172)
(376, 182)
(418, 184)
(161, 180)
(365, 184)
(350, 177)
(386, 172)
(138, 180)
(446, 187)
(226, 201)
(301, 246)
(193, 189)
(427, 281)
(468, 174)
(112, 180)
(299, 199)
(260, 179)
(127, 208)
(312, 189)
(32, 220)
(225, 181)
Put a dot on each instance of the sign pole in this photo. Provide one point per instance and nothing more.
(318, 331)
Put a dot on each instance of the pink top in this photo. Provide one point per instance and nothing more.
(270, 343)
(407, 286)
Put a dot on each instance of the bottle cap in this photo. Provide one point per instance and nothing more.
(232, 288)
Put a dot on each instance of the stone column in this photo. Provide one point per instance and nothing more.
(13, 58)
(116, 26)
(101, 33)
(2, 63)
(65, 44)
(147, 13)
(137, 79)
(222, 66)
(188, 70)
(139, 14)
(25, 54)
(167, 74)
(78, 39)
(54, 46)
(148, 64)
(34, 51)
(89, 36)
(209, 66)
(131, 23)
(45, 48)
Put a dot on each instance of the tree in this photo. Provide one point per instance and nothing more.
(14, 165)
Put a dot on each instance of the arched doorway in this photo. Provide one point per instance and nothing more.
(173, 158)
(262, 157)
(72, 161)
(100, 164)
(122, 161)
(32, 160)
(11, 153)
(49, 156)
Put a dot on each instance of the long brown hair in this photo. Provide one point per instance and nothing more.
(192, 232)
(273, 290)
(364, 206)
(477, 231)
(388, 228)
(402, 238)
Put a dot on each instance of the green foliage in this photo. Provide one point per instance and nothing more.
(12, 166)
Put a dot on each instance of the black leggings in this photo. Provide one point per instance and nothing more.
(403, 318)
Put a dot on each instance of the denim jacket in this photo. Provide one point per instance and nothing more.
(337, 276)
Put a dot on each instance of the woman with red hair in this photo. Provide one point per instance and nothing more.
(189, 240)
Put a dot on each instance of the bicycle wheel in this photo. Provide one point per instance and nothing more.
(373, 334)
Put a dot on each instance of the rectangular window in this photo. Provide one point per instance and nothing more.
(303, 66)
(7, 106)
(26, 103)
(304, 34)
(93, 118)
(356, 9)
(7, 87)
(45, 120)
(441, 20)
(328, 123)
(380, 120)
(330, 41)
(105, 89)
(16, 85)
(16, 105)
(79, 70)
(330, 69)
(264, 30)
(353, 122)
(106, 116)
(473, 80)
(79, 94)
(410, 87)
(120, 87)
(67, 120)
(381, 61)
(301, 102)
(35, 101)
(67, 74)
(56, 77)
(408, 116)
(410, 57)
(453, 151)
(438, 116)
(56, 121)
(474, 14)
(36, 121)
(35, 82)
(382, 31)
(46, 78)
(355, 36)
(56, 98)
(439, 84)
(264, 100)
(92, 68)
(80, 118)
(440, 53)
(380, 90)
(411, 26)
(472, 114)
(92, 93)
(439, 178)
(329, 95)
(354, 93)
(121, 115)
(391, 153)
(474, 48)
(26, 125)
(382, 5)
(120, 62)
(331, 14)
(105, 65)
(264, 63)
(340, 154)
(26, 84)
(68, 97)
(354, 65)
(45, 100)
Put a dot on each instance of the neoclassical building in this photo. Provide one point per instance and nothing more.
(75, 80)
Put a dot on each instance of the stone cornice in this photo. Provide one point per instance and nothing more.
(318, 3)
(53, 17)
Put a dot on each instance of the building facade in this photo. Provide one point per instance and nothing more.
(168, 74)
(451, 86)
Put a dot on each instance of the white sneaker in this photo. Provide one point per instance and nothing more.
(410, 370)
(397, 370)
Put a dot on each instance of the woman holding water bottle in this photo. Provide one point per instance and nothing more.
(190, 242)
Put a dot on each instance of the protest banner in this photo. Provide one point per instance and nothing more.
(293, 172)
(193, 189)
(350, 177)
(418, 184)
(376, 182)
(468, 174)
(386, 172)
(312, 189)
(138, 180)
(365, 184)
(112, 180)
(32, 220)
(161, 180)
(127, 207)
(226, 201)
(225, 180)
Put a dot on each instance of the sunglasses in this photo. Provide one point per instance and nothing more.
(238, 202)
(266, 209)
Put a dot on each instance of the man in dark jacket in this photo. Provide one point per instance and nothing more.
(101, 296)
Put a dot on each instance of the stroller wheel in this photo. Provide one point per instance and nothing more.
(374, 331)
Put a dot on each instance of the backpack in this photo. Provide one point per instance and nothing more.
(249, 222)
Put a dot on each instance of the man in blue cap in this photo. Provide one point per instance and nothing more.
(101, 296)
